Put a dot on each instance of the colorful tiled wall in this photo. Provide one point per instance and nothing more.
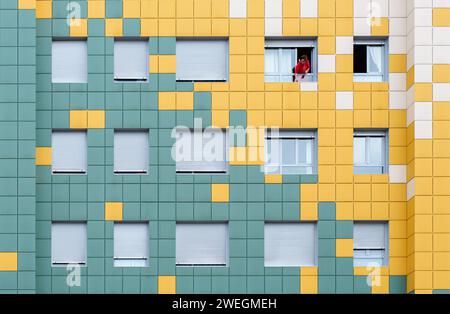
(414, 105)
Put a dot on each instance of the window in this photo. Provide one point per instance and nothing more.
(69, 243)
(290, 244)
(290, 151)
(370, 60)
(130, 59)
(370, 151)
(131, 244)
(69, 151)
(202, 244)
(370, 243)
(69, 61)
(202, 60)
(201, 151)
(281, 57)
(130, 151)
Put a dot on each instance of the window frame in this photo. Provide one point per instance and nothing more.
(373, 41)
(86, 159)
(147, 157)
(281, 43)
(301, 134)
(64, 264)
(383, 251)
(368, 134)
(131, 259)
(141, 80)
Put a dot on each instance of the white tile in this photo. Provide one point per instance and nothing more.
(397, 81)
(410, 189)
(397, 173)
(423, 17)
(397, 45)
(441, 36)
(423, 130)
(273, 27)
(344, 100)
(380, 8)
(308, 86)
(410, 96)
(308, 8)
(423, 3)
(397, 100)
(238, 8)
(361, 8)
(273, 8)
(423, 111)
(327, 63)
(441, 3)
(397, 8)
(410, 114)
(397, 26)
(441, 91)
(441, 54)
(422, 54)
(361, 26)
(423, 73)
(423, 36)
(344, 45)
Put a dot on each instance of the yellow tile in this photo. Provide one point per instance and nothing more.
(327, 27)
(308, 271)
(344, 247)
(308, 211)
(149, 8)
(149, 27)
(166, 27)
(255, 8)
(96, 9)
(344, 26)
(44, 9)
(185, 8)
(113, 211)
(238, 27)
(308, 26)
(327, 192)
(308, 285)
(344, 64)
(26, 4)
(397, 63)
(380, 26)
(441, 73)
(220, 118)
(441, 17)
(273, 178)
(167, 284)
(96, 119)
(327, 45)
(202, 8)
(255, 45)
(255, 27)
(441, 279)
(166, 9)
(291, 27)
(220, 9)
(308, 192)
(202, 27)
(326, 82)
(153, 63)
(291, 9)
(78, 119)
(131, 9)
(344, 8)
(166, 101)
(167, 64)
(8, 261)
(380, 284)
(220, 192)
(219, 27)
(237, 45)
(78, 28)
(43, 156)
(238, 100)
(185, 100)
(113, 27)
(344, 211)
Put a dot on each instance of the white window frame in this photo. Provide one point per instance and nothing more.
(81, 171)
(290, 134)
(195, 224)
(82, 67)
(363, 256)
(368, 134)
(191, 77)
(136, 79)
(268, 224)
(57, 242)
(131, 261)
(146, 152)
(199, 166)
(280, 44)
(382, 76)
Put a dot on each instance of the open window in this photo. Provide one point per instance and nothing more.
(69, 151)
(370, 60)
(131, 60)
(370, 240)
(370, 151)
(290, 244)
(202, 244)
(69, 60)
(282, 56)
(131, 244)
(290, 151)
(202, 60)
(130, 151)
(69, 243)
(201, 150)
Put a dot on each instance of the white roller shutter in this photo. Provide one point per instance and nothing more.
(131, 60)
(202, 60)
(202, 244)
(131, 244)
(130, 151)
(69, 61)
(370, 235)
(69, 243)
(290, 244)
(69, 151)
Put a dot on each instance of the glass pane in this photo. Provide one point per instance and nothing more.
(271, 61)
(304, 151)
(376, 151)
(375, 59)
(288, 152)
(359, 150)
(273, 152)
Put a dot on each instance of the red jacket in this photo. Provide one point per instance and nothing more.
(301, 68)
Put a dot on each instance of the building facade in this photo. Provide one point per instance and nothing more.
(92, 200)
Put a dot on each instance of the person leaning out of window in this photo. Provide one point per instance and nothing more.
(302, 68)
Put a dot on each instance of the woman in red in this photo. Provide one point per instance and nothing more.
(303, 67)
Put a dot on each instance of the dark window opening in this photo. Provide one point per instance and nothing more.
(360, 58)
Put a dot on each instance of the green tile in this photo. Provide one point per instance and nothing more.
(360, 285)
(273, 284)
(327, 284)
(344, 229)
(397, 284)
(185, 284)
(327, 211)
(344, 284)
